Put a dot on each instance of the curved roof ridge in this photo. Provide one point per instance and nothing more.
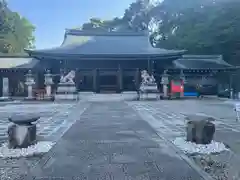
(84, 43)
(202, 56)
(216, 58)
(78, 32)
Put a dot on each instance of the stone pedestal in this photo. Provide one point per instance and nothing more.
(149, 88)
(48, 86)
(48, 90)
(165, 91)
(30, 93)
(165, 82)
(200, 129)
(22, 133)
(66, 91)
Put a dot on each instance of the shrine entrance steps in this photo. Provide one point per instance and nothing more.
(124, 96)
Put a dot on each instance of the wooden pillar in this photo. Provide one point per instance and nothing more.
(231, 85)
(95, 80)
(153, 65)
(150, 66)
(137, 79)
(120, 80)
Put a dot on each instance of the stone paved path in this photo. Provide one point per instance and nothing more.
(169, 117)
(110, 141)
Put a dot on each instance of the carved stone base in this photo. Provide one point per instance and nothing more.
(48, 98)
(147, 90)
(66, 88)
(21, 136)
(66, 91)
(149, 87)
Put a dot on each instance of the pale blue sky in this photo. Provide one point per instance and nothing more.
(51, 17)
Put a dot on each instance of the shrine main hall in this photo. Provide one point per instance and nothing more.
(107, 62)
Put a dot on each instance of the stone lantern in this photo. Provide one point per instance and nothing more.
(182, 77)
(29, 82)
(48, 81)
(165, 82)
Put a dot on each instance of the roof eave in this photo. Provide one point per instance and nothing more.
(40, 55)
(14, 56)
(104, 33)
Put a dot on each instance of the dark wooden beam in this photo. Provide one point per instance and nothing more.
(120, 79)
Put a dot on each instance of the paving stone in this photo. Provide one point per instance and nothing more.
(109, 153)
(112, 141)
(168, 117)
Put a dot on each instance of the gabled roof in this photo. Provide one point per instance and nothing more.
(101, 43)
(18, 62)
(201, 62)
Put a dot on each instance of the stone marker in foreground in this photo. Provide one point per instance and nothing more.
(200, 129)
(22, 133)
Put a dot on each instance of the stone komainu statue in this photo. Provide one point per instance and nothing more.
(68, 78)
(146, 78)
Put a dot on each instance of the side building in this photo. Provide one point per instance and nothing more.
(14, 69)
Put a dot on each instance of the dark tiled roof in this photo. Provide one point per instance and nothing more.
(92, 43)
(201, 62)
(30, 65)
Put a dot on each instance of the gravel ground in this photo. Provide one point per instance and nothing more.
(221, 166)
(56, 119)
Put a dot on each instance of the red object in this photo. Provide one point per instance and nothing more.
(177, 86)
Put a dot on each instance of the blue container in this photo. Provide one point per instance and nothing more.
(190, 94)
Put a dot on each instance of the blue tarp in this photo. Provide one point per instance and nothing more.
(190, 93)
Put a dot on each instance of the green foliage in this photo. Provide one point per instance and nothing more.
(210, 28)
(16, 32)
(102, 25)
(200, 26)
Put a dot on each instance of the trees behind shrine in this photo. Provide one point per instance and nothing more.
(203, 27)
(16, 32)
(199, 26)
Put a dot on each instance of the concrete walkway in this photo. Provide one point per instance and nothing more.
(111, 141)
